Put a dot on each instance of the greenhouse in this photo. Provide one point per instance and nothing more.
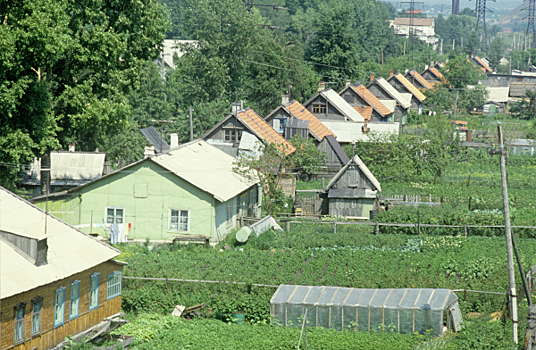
(400, 310)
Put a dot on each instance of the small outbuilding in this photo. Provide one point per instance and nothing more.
(404, 310)
(353, 191)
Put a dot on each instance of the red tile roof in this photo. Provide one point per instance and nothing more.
(264, 130)
(372, 100)
(420, 79)
(315, 125)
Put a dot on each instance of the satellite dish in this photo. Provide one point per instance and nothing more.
(243, 234)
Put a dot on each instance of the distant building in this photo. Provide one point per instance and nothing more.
(424, 28)
(418, 80)
(403, 85)
(172, 47)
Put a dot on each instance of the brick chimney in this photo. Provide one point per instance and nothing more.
(347, 82)
(391, 73)
(321, 86)
(371, 77)
(71, 147)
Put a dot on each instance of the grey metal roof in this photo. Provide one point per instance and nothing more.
(154, 137)
(297, 123)
(207, 168)
(344, 107)
(406, 103)
(69, 250)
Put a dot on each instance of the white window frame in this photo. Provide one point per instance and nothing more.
(74, 301)
(37, 315)
(19, 333)
(179, 223)
(112, 282)
(61, 304)
(115, 215)
(94, 291)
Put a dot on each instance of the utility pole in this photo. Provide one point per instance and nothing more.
(455, 107)
(508, 233)
(191, 125)
(382, 58)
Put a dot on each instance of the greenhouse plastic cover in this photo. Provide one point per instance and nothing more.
(406, 310)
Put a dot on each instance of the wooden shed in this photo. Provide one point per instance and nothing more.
(353, 191)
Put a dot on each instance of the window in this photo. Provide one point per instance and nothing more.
(94, 291)
(115, 215)
(19, 322)
(59, 307)
(280, 124)
(178, 220)
(232, 135)
(319, 108)
(37, 306)
(75, 298)
(114, 285)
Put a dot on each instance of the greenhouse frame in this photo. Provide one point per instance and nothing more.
(400, 310)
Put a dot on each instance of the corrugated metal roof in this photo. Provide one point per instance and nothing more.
(365, 111)
(205, 167)
(69, 168)
(154, 137)
(418, 22)
(315, 125)
(405, 102)
(344, 107)
(412, 88)
(297, 123)
(357, 161)
(69, 250)
(483, 64)
(420, 79)
(389, 104)
(352, 131)
(263, 130)
(371, 99)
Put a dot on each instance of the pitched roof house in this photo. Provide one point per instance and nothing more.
(191, 189)
(294, 110)
(433, 75)
(357, 95)
(418, 80)
(380, 88)
(423, 28)
(353, 191)
(403, 85)
(242, 130)
(482, 65)
(56, 281)
(327, 104)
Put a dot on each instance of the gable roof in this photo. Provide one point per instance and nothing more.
(372, 100)
(437, 73)
(483, 64)
(366, 111)
(368, 174)
(315, 126)
(419, 22)
(420, 79)
(69, 251)
(263, 130)
(412, 88)
(68, 168)
(391, 91)
(338, 149)
(339, 103)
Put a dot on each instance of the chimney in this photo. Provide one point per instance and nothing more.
(149, 151)
(321, 86)
(371, 77)
(391, 73)
(71, 147)
(285, 98)
(174, 140)
(365, 127)
(236, 107)
(45, 174)
(107, 168)
(348, 82)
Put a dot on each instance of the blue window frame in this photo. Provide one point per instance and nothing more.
(75, 300)
(94, 291)
(59, 307)
(113, 288)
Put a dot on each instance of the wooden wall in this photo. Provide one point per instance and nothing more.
(49, 337)
(331, 112)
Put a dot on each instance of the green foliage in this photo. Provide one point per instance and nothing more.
(470, 99)
(460, 72)
(526, 108)
(164, 332)
(483, 333)
(307, 158)
(439, 99)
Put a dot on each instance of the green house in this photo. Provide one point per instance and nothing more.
(190, 189)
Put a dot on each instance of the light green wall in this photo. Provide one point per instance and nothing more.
(146, 212)
(368, 205)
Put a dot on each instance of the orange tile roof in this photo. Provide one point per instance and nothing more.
(372, 100)
(437, 73)
(460, 122)
(264, 130)
(483, 64)
(366, 112)
(421, 80)
(315, 125)
(412, 88)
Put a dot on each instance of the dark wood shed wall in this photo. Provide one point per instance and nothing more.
(331, 112)
(332, 159)
(353, 178)
(218, 134)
